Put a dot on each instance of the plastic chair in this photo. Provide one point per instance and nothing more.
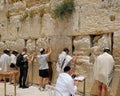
(53, 91)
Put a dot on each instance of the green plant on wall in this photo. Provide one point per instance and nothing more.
(64, 9)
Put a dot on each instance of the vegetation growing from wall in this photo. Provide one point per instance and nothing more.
(64, 9)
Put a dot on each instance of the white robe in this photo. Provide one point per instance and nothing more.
(65, 84)
(103, 67)
(5, 62)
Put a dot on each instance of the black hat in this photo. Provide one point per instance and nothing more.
(67, 68)
(106, 49)
(6, 51)
(14, 52)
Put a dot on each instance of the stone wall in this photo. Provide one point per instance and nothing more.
(94, 24)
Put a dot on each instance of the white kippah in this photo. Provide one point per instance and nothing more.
(41, 49)
(107, 48)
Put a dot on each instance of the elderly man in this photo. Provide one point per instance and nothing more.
(103, 69)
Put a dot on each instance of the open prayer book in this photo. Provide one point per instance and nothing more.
(80, 78)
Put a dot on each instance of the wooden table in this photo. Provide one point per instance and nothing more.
(8, 73)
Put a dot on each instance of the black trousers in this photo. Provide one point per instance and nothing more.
(23, 76)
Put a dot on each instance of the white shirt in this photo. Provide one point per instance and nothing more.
(5, 62)
(42, 59)
(65, 84)
(103, 66)
(13, 58)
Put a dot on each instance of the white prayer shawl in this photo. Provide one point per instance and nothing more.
(60, 60)
(103, 67)
(13, 58)
(5, 62)
(65, 84)
(67, 62)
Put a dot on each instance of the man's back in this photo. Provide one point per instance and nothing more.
(65, 84)
(103, 66)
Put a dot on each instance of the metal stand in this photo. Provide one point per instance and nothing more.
(84, 87)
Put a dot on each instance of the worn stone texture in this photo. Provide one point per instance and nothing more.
(30, 3)
(94, 24)
(116, 47)
(58, 41)
(48, 26)
(82, 44)
(97, 20)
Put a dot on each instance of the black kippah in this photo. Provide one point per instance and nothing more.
(67, 68)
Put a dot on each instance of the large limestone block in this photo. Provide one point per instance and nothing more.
(16, 8)
(116, 46)
(105, 41)
(64, 27)
(116, 39)
(76, 21)
(41, 43)
(30, 28)
(25, 29)
(2, 47)
(48, 26)
(3, 22)
(30, 45)
(35, 74)
(57, 44)
(8, 31)
(35, 27)
(84, 2)
(11, 33)
(82, 45)
(20, 44)
(11, 45)
(96, 20)
(1, 5)
(83, 60)
(30, 3)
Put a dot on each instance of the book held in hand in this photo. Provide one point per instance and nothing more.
(80, 78)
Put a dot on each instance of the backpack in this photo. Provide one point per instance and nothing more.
(20, 60)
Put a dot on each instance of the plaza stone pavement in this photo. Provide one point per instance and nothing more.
(31, 91)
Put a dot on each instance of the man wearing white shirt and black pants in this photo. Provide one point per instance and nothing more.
(65, 83)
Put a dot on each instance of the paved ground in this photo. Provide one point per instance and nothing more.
(31, 91)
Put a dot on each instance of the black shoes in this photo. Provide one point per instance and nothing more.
(25, 87)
